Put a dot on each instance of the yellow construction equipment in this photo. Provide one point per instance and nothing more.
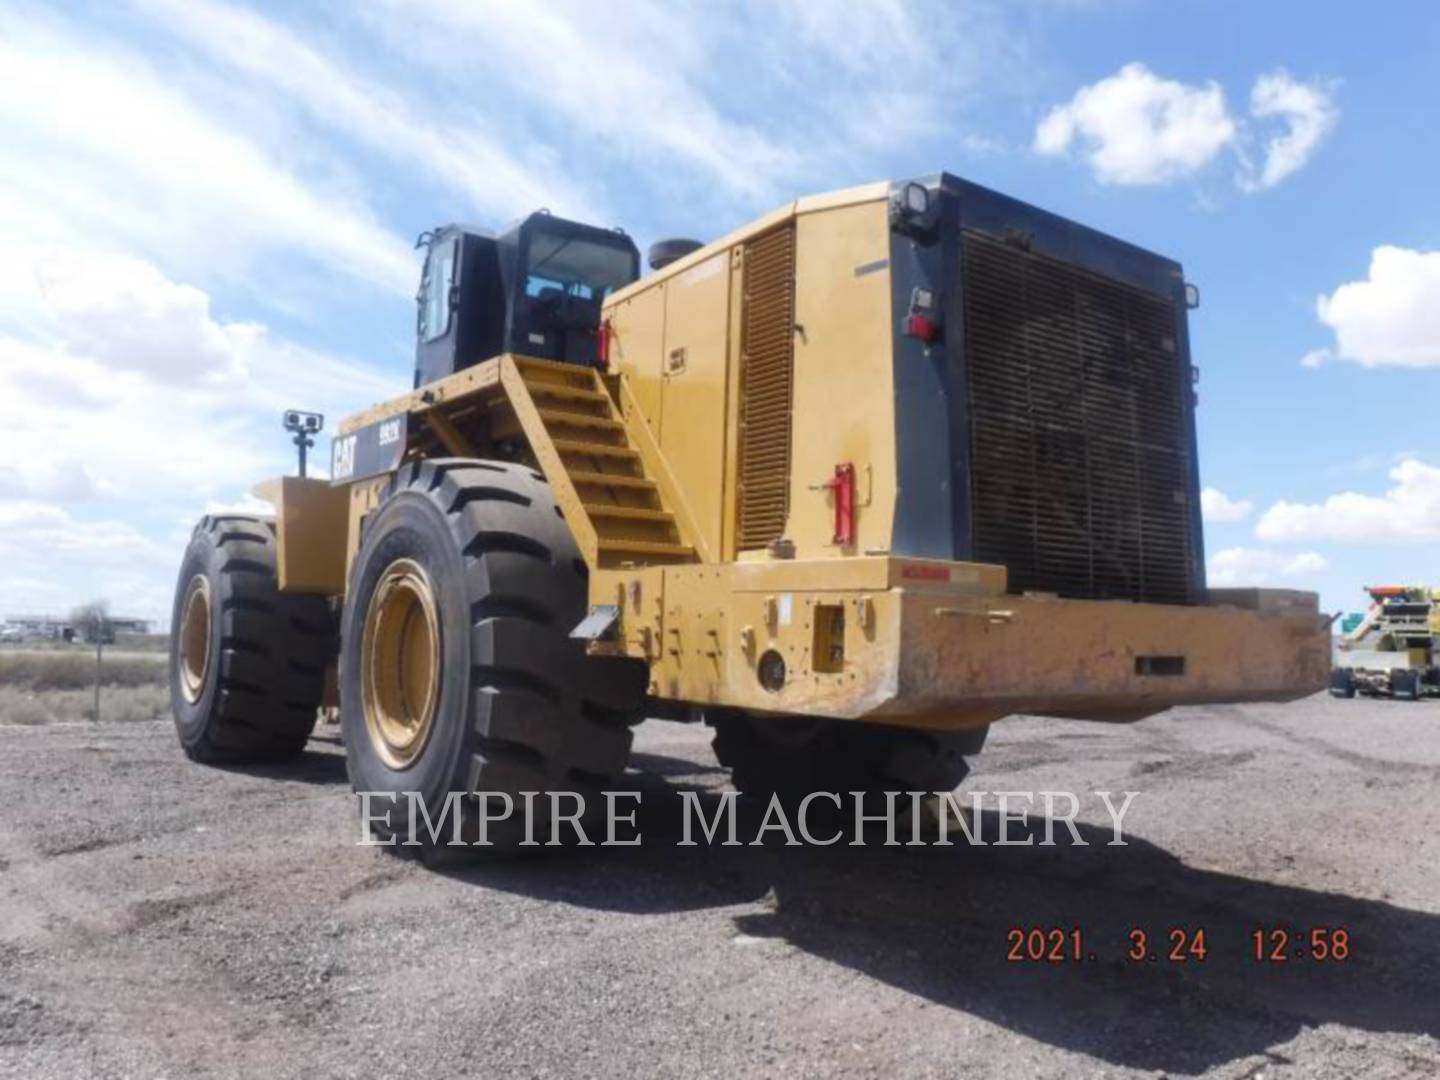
(1390, 650)
(850, 484)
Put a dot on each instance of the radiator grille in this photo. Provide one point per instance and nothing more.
(767, 361)
(1079, 439)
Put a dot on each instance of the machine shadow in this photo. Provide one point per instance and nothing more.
(671, 767)
(935, 922)
(313, 765)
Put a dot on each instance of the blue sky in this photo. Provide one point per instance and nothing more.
(207, 209)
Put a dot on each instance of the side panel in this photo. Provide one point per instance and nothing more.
(371, 450)
(694, 384)
(637, 348)
(844, 398)
(311, 527)
(928, 399)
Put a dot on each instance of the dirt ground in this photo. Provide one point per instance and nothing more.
(159, 919)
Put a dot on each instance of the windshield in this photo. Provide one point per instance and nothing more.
(577, 266)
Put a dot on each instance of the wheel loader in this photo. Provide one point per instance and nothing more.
(848, 484)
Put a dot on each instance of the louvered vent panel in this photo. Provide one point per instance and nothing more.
(767, 361)
(1080, 449)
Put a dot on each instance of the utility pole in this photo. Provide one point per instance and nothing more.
(99, 671)
(93, 622)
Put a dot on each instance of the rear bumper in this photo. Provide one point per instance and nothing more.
(926, 643)
(964, 662)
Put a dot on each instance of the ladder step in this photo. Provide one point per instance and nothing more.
(599, 479)
(570, 446)
(561, 369)
(646, 547)
(627, 513)
(583, 420)
(565, 393)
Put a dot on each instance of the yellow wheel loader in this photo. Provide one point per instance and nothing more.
(848, 484)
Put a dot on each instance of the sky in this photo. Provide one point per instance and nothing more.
(208, 208)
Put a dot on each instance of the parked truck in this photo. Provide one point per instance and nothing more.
(1390, 651)
(849, 484)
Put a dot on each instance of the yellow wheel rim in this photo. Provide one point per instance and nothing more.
(400, 663)
(195, 638)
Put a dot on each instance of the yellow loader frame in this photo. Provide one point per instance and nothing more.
(698, 475)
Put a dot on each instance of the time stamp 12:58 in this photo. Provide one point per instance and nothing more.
(1176, 945)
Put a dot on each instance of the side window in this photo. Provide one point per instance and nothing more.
(435, 293)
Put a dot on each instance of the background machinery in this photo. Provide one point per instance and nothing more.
(849, 484)
(1390, 651)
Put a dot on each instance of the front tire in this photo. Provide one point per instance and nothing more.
(457, 670)
(1342, 683)
(247, 662)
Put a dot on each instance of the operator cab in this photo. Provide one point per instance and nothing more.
(535, 289)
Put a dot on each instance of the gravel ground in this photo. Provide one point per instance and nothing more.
(162, 919)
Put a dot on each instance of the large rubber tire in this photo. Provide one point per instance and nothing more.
(520, 707)
(1405, 685)
(793, 756)
(265, 651)
(1342, 683)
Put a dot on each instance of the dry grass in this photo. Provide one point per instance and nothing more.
(123, 704)
(159, 643)
(76, 670)
(44, 687)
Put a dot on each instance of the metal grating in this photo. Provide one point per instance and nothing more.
(767, 362)
(1079, 435)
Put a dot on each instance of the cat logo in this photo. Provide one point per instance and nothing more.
(342, 465)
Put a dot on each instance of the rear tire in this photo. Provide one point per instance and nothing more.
(247, 662)
(1405, 685)
(514, 704)
(793, 756)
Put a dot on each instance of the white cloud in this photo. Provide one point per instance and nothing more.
(163, 445)
(625, 75)
(247, 503)
(98, 144)
(159, 442)
(1408, 512)
(455, 147)
(1392, 318)
(1137, 128)
(126, 315)
(61, 480)
(1216, 506)
(1308, 112)
(865, 77)
(55, 560)
(701, 105)
(1253, 566)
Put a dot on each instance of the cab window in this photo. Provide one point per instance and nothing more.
(576, 266)
(436, 288)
